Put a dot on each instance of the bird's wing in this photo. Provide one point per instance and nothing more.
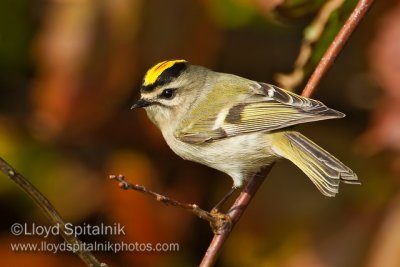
(264, 108)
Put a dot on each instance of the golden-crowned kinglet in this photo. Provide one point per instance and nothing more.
(236, 125)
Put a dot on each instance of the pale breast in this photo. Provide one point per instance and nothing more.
(238, 156)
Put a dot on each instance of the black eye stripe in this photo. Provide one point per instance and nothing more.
(168, 93)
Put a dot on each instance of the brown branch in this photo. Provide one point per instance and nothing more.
(50, 212)
(336, 46)
(311, 35)
(255, 182)
(235, 212)
(219, 222)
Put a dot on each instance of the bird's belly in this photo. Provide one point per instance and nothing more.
(238, 156)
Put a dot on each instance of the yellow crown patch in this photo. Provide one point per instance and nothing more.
(153, 73)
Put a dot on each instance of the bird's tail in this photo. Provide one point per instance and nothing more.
(324, 170)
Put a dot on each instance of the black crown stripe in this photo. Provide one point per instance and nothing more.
(167, 76)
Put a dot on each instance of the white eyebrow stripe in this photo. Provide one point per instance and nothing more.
(152, 94)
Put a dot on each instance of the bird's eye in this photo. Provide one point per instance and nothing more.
(168, 93)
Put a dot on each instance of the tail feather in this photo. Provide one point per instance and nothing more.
(324, 170)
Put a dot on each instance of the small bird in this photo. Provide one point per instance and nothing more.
(236, 125)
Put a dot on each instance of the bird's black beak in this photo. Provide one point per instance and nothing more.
(141, 103)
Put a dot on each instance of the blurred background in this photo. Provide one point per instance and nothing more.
(70, 69)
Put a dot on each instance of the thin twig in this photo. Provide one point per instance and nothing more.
(50, 212)
(219, 222)
(336, 46)
(255, 182)
(311, 35)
